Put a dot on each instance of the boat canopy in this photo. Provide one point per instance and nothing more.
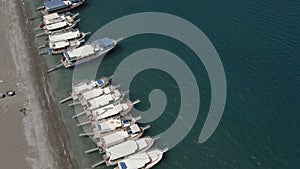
(92, 94)
(104, 43)
(107, 111)
(122, 165)
(115, 137)
(100, 82)
(64, 36)
(54, 5)
(82, 86)
(135, 128)
(51, 16)
(122, 150)
(107, 42)
(56, 25)
(100, 101)
(60, 44)
(80, 52)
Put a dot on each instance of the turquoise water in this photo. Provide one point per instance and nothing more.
(258, 43)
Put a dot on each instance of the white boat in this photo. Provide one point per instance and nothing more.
(144, 160)
(121, 108)
(85, 96)
(103, 100)
(55, 18)
(112, 138)
(60, 47)
(66, 40)
(86, 85)
(58, 27)
(90, 51)
(111, 124)
(115, 137)
(66, 35)
(96, 49)
(119, 152)
(59, 6)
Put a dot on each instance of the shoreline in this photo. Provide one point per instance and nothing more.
(44, 130)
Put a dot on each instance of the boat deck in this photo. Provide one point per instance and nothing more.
(64, 36)
(56, 25)
(109, 110)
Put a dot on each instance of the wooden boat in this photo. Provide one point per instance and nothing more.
(56, 17)
(121, 108)
(111, 124)
(115, 137)
(86, 85)
(59, 6)
(97, 102)
(121, 151)
(90, 51)
(118, 136)
(58, 27)
(65, 40)
(144, 160)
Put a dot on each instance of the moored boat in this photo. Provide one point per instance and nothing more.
(88, 52)
(94, 93)
(66, 40)
(111, 124)
(97, 102)
(115, 137)
(62, 46)
(103, 100)
(120, 108)
(119, 152)
(55, 18)
(58, 27)
(59, 6)
(69, 34)
(118, 136)
(97, 92)
(144, 160)
(86, 85)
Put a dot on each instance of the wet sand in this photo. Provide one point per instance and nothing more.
(35, 138)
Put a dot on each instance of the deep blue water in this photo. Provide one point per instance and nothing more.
(258, 44)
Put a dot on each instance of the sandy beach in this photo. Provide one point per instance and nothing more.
(14, 149)
(29, 138)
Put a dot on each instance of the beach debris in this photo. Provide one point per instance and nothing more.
(1, 81)
(2, 95)
(10, 93)
(18, 85)
(23, 110)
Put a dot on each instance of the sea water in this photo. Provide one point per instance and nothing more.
(258, 44)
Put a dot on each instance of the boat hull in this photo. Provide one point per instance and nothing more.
(67, 9)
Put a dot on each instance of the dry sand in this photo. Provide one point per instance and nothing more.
(34, 139)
